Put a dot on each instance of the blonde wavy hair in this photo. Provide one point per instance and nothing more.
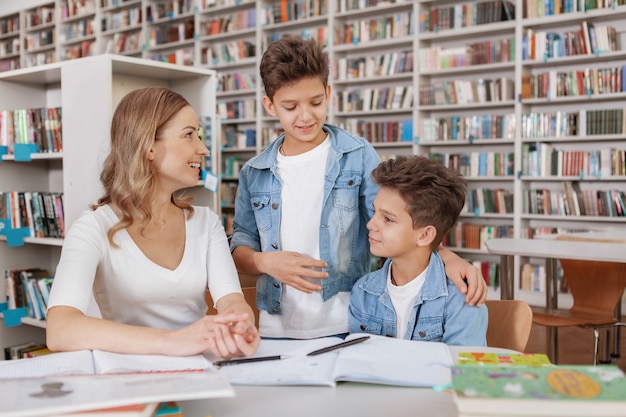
(127, 176)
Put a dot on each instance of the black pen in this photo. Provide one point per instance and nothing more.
(248, 360)
(339, 345)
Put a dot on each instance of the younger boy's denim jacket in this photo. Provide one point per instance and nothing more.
(349, 194)
(439, 314)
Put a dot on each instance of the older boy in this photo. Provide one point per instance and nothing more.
(411, 297)
(302, 205)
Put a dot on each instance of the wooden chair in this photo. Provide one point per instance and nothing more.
(509, 324)
(596, 289)
(248, 286)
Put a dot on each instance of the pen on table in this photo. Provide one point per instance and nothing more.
(339, 346)
(249, 360)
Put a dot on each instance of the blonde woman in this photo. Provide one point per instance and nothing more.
(146, 255)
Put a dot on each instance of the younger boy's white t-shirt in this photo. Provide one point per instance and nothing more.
(403, 299)
(304, 316)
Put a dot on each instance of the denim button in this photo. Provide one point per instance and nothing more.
(274, 206)
(422, 333)
(276, 285)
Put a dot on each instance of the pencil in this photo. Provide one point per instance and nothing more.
(248, 360)
(339, 346)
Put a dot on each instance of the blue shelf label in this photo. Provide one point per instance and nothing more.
(15, 237)
(23, 151)
(14, 316)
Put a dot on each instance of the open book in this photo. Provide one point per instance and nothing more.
(379, 360)
(75, 381)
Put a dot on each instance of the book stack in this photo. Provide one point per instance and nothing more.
(555, 390)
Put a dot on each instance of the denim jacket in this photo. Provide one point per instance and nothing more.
(439, 314)
(349, 194)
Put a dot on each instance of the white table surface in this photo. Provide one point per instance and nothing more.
(346, 400)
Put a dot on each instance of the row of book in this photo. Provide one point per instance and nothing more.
(124, 42)
(235, 138)
(587, 40)
(40, 212)
(473, 236)
(533, 277)
(236, 82)
(36, 40)
(562, 124)
(467, 92)
(237, 109)
(228, 52)
(539, 8)
(478, 53)
(467, 128)
(347, 5)
(239, 20)
(587, 82)
(81, 50)
(381, 132)
(75, 8)
(9, 25)
(490, 272)
(542, 159)
(168, 9)
(28, 288)
(39, 16)
(478, 164)
(77, 30)
(228, 192)
(183, 56)
(25, 350)
(378, 28)
(291, 10)
(438, 18)
(378, 98)
(173, 32)
(380, 65)
(481, 201)
(572, 201)
(124, 18)
(9, 47)
(41, 126)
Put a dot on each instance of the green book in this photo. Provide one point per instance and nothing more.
(557, 390)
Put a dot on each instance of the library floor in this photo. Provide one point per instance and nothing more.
(575, 345)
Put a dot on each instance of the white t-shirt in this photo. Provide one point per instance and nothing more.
(130, 288)
(305, 316)
(403, 299)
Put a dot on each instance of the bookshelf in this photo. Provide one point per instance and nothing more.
(459, 94)
(87, 90)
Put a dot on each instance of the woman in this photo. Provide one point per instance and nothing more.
(147, 255)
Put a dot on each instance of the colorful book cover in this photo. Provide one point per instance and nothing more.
(557, 390)
(500, 358)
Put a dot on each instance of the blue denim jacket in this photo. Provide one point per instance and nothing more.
(439, 314)
(349, 194)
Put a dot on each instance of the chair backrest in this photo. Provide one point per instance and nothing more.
(509, 325)
(596, 287)
(249, 293)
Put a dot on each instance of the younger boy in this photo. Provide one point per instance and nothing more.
(411, 297)
(303, 203)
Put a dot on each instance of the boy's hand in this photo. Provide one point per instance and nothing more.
(293, 269)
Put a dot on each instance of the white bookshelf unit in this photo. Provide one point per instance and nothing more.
(88, 91)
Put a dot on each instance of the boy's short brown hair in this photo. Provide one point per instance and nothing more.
(434, 194)
(290, 59)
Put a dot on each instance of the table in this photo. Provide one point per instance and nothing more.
(552, 250)
(346, 400)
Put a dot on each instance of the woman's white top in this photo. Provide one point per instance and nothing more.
(128, 287)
